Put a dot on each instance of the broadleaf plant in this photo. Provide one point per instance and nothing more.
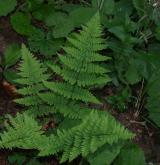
(7, 6)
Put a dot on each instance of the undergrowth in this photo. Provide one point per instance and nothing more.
(72, 52)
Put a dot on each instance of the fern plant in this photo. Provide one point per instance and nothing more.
(80, 69)
(94, 129)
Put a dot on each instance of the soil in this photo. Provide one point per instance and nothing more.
(146, 135)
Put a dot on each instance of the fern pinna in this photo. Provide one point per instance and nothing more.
(81, 70)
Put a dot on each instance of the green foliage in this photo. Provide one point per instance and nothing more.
(154, 98)
(11, 56)
(32, 73)
(62, 25)
(7, 6)
(133, 155)
(21, 158)
(16, 158)
(22, 132)
(21, 23)
(88, 129)
(120, 100)
(106, 6)
(131, 29)
(80, 68)
(44, 44)
(106, 154)
(96, 130)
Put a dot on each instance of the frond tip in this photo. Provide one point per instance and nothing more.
(32, 73)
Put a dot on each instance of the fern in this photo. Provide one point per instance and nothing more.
(93, 129)
(96, 130)
(22, 132)
(80, 67)
(32, 73)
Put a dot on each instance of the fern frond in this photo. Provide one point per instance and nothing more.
(31, 70)
(22, 132)
(32, 73)
(96, 130)
(81, 67)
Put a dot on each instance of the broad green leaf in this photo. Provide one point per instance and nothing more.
(136, 71)
(105, 155)
(81, 15)
(153, 102)
(10, 75)
(119, 32)
(130, 155)
(34, 4)
(55, 18)
(108, 6)
(7, 6)
(43, 12)
(21, 23)
(61, 24)
(45, 45)
(60, 30)
(11, 55)
(69, 7)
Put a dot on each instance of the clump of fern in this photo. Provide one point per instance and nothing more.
(81, 70)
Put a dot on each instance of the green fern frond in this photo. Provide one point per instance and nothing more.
(96, 130)
(32, 73)
(81, 67)
(31, 70)
(22, 132)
